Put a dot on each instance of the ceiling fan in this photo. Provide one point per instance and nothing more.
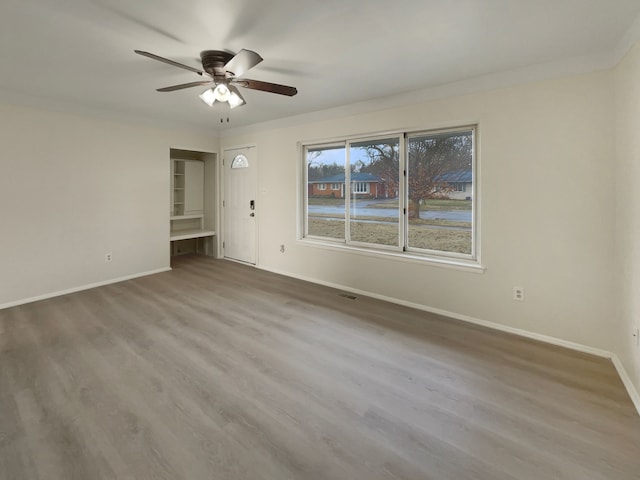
(221, 71)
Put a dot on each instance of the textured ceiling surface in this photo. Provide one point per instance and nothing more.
(80, 52)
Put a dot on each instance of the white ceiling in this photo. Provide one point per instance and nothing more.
(78, 54)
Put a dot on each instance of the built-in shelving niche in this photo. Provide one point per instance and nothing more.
(193, 206)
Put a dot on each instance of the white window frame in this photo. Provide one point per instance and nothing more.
(322, 186)
(356, 188)
(469, 262)
(303, 228)
(474, 256)
(349, 243)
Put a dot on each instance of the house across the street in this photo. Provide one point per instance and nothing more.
(461, 183)
(362, 185)
(371, 186)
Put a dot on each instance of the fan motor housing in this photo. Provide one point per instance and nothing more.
(213, 61)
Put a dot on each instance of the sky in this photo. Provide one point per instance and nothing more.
(336, 155)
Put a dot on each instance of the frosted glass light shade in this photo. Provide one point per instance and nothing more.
(235, 99)
(222, 93)
(208, 97)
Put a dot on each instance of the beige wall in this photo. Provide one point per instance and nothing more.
(627, 194)
(547, 215)
(74, 188)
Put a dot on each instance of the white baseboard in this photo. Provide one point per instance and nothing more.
(626, 380)
(80, 288)
(633, 393)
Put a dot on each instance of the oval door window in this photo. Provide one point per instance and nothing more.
(240, 161)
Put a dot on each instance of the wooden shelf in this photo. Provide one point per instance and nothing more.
(186, 217)
(191, 233)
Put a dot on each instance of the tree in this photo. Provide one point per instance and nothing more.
(430, 159)
(384, 162)
(316, 172)
(317, 168)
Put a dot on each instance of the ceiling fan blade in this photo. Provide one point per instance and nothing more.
(266, 87)
(242, 62)
(170, 62)
(184, 85)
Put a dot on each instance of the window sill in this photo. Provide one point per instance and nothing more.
(408, 257)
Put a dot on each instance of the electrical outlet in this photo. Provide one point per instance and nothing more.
(282, 248)
(108, 257)
(518, 294)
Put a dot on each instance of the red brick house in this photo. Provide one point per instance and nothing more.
(362, 185)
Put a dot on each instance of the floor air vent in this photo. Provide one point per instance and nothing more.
(346, 295)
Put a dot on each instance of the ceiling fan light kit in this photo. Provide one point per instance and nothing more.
(223, 93)
(221, 71)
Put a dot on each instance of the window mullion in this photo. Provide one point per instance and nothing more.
(402, 194)
(347, 193)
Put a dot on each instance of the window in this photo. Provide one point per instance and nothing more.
(361, 187)
(240, 161)
(410, 193)
(324, 214)
(322, 186)
(436, 220)
(375, 172)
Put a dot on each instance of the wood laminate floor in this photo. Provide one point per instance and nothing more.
(216, 370)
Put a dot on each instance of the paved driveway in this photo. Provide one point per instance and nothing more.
(371, 211)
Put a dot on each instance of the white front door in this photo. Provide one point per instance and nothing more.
(240, 206)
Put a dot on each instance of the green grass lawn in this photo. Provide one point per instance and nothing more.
(432, 234)
(432, 238)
